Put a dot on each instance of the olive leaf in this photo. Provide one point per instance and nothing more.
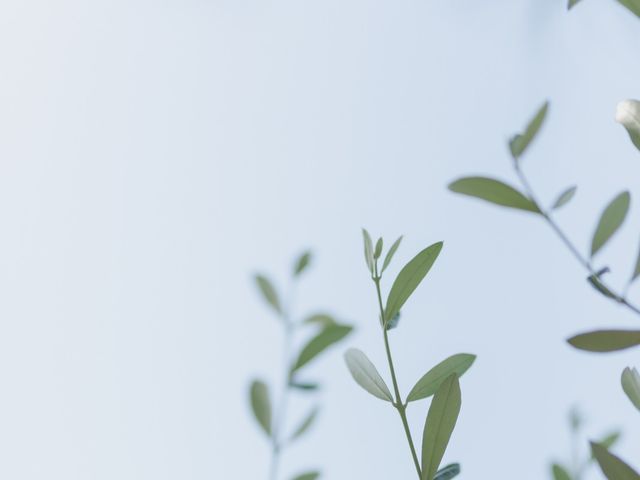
(366, 375)
(636, 270)
(613, 467)
(560, 472)
(610, 221)
(319, 343)
(441, 420)
(390, 254)
(431, 381)
(519, 143)
(301, 263)
(261, 404)
(368, 250)
(448, 472)
(493, 191)
(631, 385)
(564, 198)
(409, 278)
(378, 250)
(307, 476)
(305, 424)
(606, 340)
(634, 7)
(268, 292)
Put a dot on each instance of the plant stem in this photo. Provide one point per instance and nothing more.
(399, 405)
(586, 263)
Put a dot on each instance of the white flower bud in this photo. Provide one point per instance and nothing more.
(628, 114)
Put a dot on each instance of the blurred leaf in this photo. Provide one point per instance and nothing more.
(308, 476)
(610, 440)
(431, 381)
(390, 254)
(261, 404)
(409, 278)
(575, 419)
(448, 472)
(631, 385)
(564, 198)
(304, 386)
(366, 375)
(268, 292)
(573, 3)
(368, 250)
(304, 426)
(302, 263)
(636, 271)
(612, 466)
(378, 250)
(321, 319)
(519, 143)
(610, 221)
(560, 473)
(628, 111)
(493, 191)
(441, 420)
(318, 344)
(606, 340)
(596, 282)
(634, 7)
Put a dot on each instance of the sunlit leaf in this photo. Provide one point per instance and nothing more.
(307, 476)
(409, 278)
(390, 254)
(564, 198)
(519, 143)
(493, 191)
(302, 263)
(305, 425)
(613, 467)
(559, 472)
(368, 250)
(366, 375)
(441, 420)
(606, 340)
(610, 221)
(631, 385)
(431, 381)
(261, 404)
(318, 344)
(628, 111)
(610, 440)
(268, 292)
(448, 472)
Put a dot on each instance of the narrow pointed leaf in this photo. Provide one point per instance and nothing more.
(520, 142)
(378, 250)
(636, 270)
(304, 386)
(631, 385)
(318, 344)
(431, 381)
(261, 404)
(441, 420)
(302, 263)
(307, 476)
(634, 7)
(390, 254)
(409, 278)
(368, 250)
(305, 425)
(559, 472)
(493, 191)
(606, 340)
(448, 472)
(612, 467)
(366, 375)
(610, 221)
(564, 198)
(268, 292)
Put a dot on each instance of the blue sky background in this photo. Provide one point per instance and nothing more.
(156, 153)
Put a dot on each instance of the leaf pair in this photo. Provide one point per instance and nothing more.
(372, 254)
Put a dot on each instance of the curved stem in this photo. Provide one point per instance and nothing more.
(399, 405)
(585, 262)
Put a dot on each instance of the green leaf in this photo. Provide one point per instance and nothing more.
(318, 344)
(366, 375)
(261, 404)
(448, 472)
(596, 282)
(302, 263)
(631, 385)
(269, 292)
(606, 340)
(519, 143)
(564, 198)
(636, 271)
(628, 111)
(441, 420)
(321, 319)
(573, 3)
(378, 250)
(390, 254)
(612, 466)
(560, 473)
(304, 386)
(431, 381)
(368, 250)
(307, 476)
(493, 191)
(610, 221)
(634, 7)
(610, 440)
(304, 425)
(409, 278)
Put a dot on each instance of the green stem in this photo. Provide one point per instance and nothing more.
(399, 405)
